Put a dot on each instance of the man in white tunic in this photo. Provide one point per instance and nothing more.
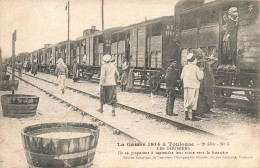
(191, 76)
(61, 73)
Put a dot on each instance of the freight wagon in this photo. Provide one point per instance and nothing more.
(147, 46)
(228, 32)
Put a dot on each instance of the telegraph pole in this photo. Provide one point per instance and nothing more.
(68, 8)
(13, 55)
(102, 11)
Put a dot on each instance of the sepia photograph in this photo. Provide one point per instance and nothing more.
(129, 83)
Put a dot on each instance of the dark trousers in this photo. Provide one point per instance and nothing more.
(170, 101)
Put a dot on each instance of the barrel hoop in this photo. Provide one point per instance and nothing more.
(82, 166)
(80, 154)
(72, 155)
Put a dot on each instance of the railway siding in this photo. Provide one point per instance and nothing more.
(223, 122)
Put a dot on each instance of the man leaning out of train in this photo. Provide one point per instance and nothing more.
(191, 76)
(62, 73)
(171, 79)
(108, 78)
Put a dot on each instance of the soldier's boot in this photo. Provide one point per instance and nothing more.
(113, 111)
(101, 108)
(194, 118)
(187, 115)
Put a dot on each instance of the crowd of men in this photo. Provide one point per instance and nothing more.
(196, 78)
(198, 85)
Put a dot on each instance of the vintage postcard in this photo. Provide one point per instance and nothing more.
(134, 84)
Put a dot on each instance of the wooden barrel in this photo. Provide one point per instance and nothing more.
(19, 106)
(60, 145)
(8, 85)
(3, 76)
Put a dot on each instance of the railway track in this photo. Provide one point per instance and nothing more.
(237, 101)
(178, 125)
(82, 112)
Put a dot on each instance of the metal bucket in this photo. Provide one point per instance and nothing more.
(19, 106)
(8, 85)
(72, 151)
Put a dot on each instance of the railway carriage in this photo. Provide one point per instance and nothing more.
(147, 46)
(90, 50)
(226, 31)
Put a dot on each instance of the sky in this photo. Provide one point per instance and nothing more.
(40, 22)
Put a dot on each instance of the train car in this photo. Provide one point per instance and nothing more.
(44, 58)
(227, 31)
(147, 46)
(90, 50)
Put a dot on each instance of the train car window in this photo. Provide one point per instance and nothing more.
(114, 38)
(189, 20)
(100, 39)
(157, 29)
(122, 36)
(208, 16)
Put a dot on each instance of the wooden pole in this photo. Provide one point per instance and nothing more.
(0, 57)
(13, 56)
(102, 11)
(68, 20)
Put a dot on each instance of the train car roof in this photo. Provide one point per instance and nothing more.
(97, 33)
(151, 21)
(184, 5)
(64, 42)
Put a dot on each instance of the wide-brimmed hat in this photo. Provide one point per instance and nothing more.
(172, 60)
(191, 57)
(107, 58)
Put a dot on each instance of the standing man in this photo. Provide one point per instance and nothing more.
(124, 76)
(171, 78)
(61, 72)
(19, 68)
(108, 76)
(206, 91)
(75, 70)
(191, 76)
(34, 67)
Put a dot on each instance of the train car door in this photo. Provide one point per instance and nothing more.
(133, 47)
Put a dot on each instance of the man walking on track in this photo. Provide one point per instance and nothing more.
(108, 94)
(191, 76)
(61, 72)
(172, 75)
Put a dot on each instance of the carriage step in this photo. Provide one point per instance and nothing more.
(237, 88)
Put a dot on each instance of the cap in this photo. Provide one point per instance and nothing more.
(107, 58)
(172, 60)
(191, 57)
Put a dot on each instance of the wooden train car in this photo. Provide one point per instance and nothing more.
(90, 50)
(226, 31)
(148, 46)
